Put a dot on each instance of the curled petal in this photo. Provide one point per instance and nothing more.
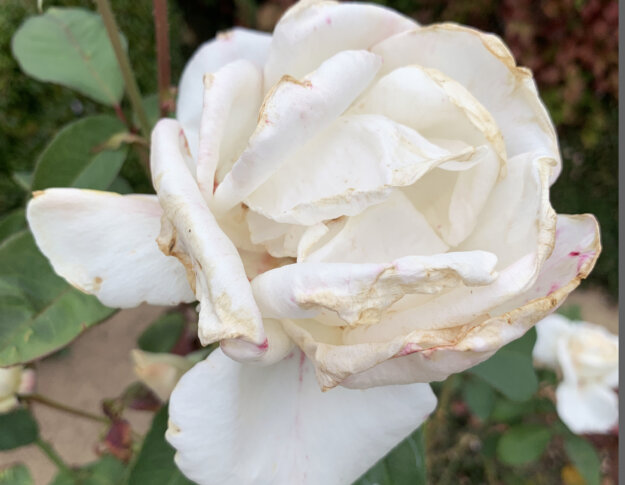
(433, 104)
(189, 232)
(105, 244)
(233, 424)
(359, 293)
(292, 113)
(312, 31)
(227, 47)
(367, 156)
(433, 354)
(483, 65)
(232, 96)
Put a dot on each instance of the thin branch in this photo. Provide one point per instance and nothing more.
(54, 457)
(132, 89)
(161, 29)
(64, 407)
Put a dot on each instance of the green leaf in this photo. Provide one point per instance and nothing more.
(15, 475)
(40, 312)
(121, 186)
(106, 471)
(572, 312)
(70, 46)
(11, 223)
(23, 179)
(155, 464)
(511, 369)
(19, 428)
(163, 334)
(152, 109)
(585, 458)
(479, 396)
(404, 465)
(74, 157)
(506, 411)
(523, 444)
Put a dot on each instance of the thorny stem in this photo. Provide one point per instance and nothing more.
(64, 407)
(132, 89)
(161, 29)
(54, 457)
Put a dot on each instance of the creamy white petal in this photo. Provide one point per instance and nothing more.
(548, 332)
(432, 353)
(587, 409)
(189, 232)
(233, 424)
(452, 200)
(232, 97)
(434, 105)
(518, 225)
(312, 31)
(105, 244)
(351, 165)
(484, 65)
(293, 113)
(228, 46)
(382, 233)
(359, 293)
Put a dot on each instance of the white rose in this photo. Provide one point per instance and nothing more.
(586, 357)
(385, 187)
(13, 381)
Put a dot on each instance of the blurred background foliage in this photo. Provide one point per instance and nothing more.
(571, 45)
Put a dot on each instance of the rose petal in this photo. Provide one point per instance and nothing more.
(189, 232)
(587, 409)
(434, 105)
(367, 155)
(233, 424)
(293, 113)
(518, 226)
(433, 354)
(311, 32)
(359, 293)
(548, 332)
(228, 46)
(232, 97)
(453, 200)
(105, 244)
(484, 65)
(381, 233)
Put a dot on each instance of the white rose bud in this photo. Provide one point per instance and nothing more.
(356, 201)
(159, 371)
(13, 381)
(586, 357)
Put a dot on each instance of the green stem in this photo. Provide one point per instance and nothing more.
(54, 457)
(132, 89)
(65, 408)
(161, 29)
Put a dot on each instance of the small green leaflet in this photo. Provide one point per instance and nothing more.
(70, 46)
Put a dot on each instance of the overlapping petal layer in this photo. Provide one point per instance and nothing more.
(190, 232)
(432, 353)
